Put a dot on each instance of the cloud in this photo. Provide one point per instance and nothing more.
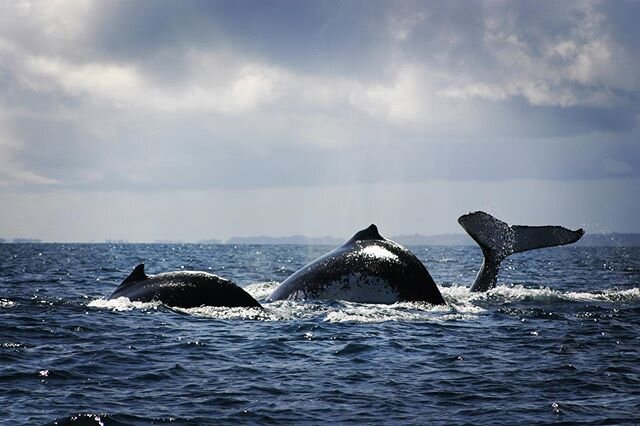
(12, 172)
(159, 95)
(564, 55)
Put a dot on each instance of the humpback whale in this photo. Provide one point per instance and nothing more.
(372, 269)
(369, 269)
(183, 289)
(498, 240)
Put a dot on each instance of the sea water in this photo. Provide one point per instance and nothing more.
(556, 342)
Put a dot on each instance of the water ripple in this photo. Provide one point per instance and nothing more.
(555, 342)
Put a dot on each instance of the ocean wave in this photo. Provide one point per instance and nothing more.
(261, 291)
(612, 295)
(221, 312)
(462, 305)
(334, 311)
(399, 312)
(109, 419)
(461, 296)
(6, 303)
(123, 304)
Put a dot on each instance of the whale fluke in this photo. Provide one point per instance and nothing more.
(498, 240)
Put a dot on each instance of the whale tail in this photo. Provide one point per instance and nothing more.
(498, 240)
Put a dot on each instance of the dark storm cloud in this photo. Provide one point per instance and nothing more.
(324, 36)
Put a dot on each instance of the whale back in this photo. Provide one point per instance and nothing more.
(185, 289)
(368, 268)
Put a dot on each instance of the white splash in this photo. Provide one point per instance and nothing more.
(461, 296)
(6, 303)
(261, 291)
(462, 305)
(220, 312)
(122, 304)
(373, 313)
(630, 295)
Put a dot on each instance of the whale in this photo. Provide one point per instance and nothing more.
(369, 268)
(498, 240)
(183, 289)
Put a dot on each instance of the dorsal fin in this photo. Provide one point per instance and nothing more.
(137, 275)
(371, 233)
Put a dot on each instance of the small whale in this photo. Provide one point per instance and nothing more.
(183, 289)
(372, 269)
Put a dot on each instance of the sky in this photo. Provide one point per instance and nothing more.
(189, 120)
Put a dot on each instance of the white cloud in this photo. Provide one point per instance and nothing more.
(52, 24)
(578, 67)
(224, 85)
(96, 96)
(223, 100)
(121, 85)
(476, 90)
(243, 87)
(221, 83)
(399, 101)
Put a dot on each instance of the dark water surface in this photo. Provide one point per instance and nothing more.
(556, 342)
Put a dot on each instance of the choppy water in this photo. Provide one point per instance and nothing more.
(556, 342)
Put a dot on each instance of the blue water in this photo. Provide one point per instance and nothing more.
(556, 342)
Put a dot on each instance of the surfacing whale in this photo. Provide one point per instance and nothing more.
(372, 269)
(183, 289)
(369, 269)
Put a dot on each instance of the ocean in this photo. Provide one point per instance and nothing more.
(557, 342)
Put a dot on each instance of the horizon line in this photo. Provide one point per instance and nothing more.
(446, 239)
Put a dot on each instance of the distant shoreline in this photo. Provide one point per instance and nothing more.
(589, 240)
